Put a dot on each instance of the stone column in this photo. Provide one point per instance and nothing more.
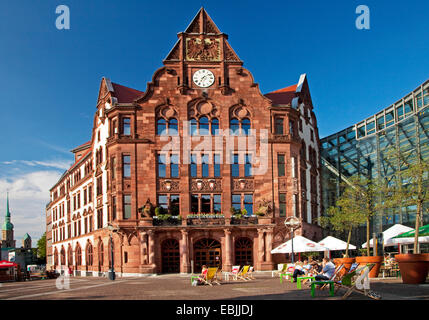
(228, 251)
(261, 250)
(184, 252)
(268, 245)
(143, 248)
(151, 241)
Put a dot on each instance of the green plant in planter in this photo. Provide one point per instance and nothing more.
(243, 212)
(157, 211)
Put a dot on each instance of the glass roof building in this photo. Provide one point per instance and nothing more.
(366, 149)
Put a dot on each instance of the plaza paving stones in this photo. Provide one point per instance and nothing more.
(178, 287)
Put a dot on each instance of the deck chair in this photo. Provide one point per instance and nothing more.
(234, 272)
(336, 276)
(281, 267)
(211, 277)
(358, 281)
(250, 274)
(242, 274)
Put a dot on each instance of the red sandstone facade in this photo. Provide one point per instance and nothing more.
(123, 174)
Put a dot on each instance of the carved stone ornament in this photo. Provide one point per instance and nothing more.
(206, 185)
(264, 207)
(169, 185)
(147, 209)
(202, 49)
(243, 184)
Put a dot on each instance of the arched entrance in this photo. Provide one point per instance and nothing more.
(243, 252)
(170, 256)
(207, 252)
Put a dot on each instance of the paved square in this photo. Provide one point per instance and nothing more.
(178, 287)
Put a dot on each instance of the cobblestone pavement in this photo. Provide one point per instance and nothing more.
(178, 287)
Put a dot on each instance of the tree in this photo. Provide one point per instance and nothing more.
(346, 215)
(41, 247)
(411, 189)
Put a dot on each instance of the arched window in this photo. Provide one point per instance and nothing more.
(173, 129)
(101, 254)
(204, 126)
(89, 255)
(70, 256)
(194, 127)
(234, 126)
(161, 127)
(78, 256)
(215, 127)
(55, 257)
(245, 126)
(63, 256)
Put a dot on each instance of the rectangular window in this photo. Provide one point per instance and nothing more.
(89, 193)
(205, 203)
(281, 165)
(217, 203)
(161, 166)
(113, 168)
(126, 126)
(194, 203)
(205, 165)
(113, 208)
(90, 223)
(126, 162)
(235, 167)
(248, 203)
(291, 129)
(193, 165)
(217, 165)
(174, 204)
(127, 206)
(174, 166)
(100, 218)
(99, 185)
(282, 204)
(248, 166)
(236, 201)
(78, 200)
(163, 203)
(85, 196)
(370, 127)
(86, 225)
(279, 125)
(400, 112)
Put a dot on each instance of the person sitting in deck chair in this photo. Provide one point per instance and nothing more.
(299, 271)
(327, 271)
(203, 275)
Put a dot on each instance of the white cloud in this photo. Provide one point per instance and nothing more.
(28, 196)
(63, 164)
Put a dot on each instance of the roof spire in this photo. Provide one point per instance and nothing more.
(7, 205)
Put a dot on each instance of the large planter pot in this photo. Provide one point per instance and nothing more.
(347, 264)
(414, 267)
(377, 260)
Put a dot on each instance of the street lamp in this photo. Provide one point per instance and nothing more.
(112, 268)
(292, 223)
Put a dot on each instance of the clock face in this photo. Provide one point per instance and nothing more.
(203, 78)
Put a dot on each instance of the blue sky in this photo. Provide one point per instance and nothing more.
(49, 78)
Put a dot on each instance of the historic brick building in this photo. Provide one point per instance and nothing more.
(184, 147)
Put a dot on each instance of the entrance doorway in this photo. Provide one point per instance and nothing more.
(207, 252)
(243, 252)
(170, 256)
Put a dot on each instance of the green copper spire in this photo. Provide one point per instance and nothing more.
(7, 225)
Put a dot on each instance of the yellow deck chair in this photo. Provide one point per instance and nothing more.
(211, 277)
(243, 273)
(250, 274)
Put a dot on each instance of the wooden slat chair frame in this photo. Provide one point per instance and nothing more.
(349, 282)
(243, 273)
(211, 276)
